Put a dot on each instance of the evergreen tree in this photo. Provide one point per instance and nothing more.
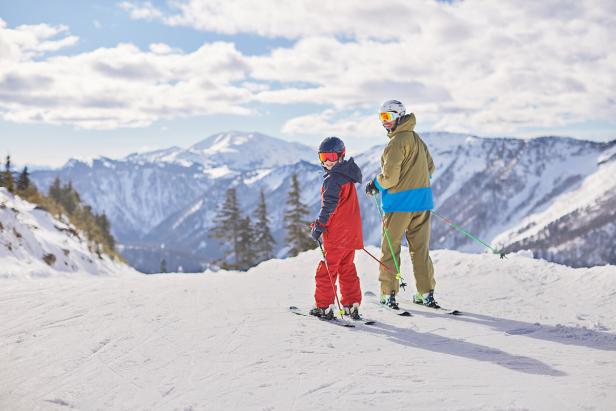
(103, 223)
(55, 190)
(163, 266)
(247, 256)
(69, 198)
(263, 240)
(65, 195)
(7, 176)
(298, 233)
(227, 226)
(23, 182)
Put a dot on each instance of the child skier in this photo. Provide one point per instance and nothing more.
(339, 222)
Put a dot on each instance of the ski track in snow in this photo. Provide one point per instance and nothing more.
(527, 340)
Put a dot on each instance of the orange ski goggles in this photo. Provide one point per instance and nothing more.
(387, 116)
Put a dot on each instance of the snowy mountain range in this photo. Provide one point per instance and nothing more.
(552, 195)
(34, 244)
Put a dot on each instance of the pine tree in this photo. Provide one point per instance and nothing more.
(55, 190)
(263, 240)
(227, 226)
(103, 223)
(298, 234)
(69, 198)
(247, 255)
(7, 176)
(23, 182)
(163, 266)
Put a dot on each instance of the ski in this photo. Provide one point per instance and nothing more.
(441, 309)
(336, 321)
(399, 312)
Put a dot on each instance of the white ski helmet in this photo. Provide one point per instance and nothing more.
(393, 106)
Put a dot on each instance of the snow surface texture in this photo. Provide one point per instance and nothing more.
(29, 235)
(535, 336)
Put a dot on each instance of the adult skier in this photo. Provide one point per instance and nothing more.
(406, 199)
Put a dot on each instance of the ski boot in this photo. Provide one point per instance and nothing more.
(326, 313)
(426, 299)
(390, 300)
(352, 311)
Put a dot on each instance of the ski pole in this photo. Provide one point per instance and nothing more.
(388, 268)
(391, 248)
(469, 235)
(331, 281)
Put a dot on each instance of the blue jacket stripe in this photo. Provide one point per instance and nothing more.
(418, 199)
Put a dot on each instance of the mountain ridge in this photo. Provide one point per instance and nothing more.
(487, 185)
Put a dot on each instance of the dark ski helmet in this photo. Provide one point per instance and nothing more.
(331, 145)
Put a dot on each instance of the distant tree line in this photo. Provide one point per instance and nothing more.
(247, 242)
(63, 199)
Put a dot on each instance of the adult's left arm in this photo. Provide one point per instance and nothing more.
(392, 165)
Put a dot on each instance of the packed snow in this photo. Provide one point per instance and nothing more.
(534, 335)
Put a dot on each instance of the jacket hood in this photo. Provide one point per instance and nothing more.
(406, 123)
(347, 168)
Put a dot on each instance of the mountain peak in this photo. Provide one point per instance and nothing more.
(249, 150)
(232, 141)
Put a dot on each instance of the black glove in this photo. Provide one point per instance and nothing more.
(371, 189)
(316, 230)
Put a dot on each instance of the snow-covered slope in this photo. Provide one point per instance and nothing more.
(35, 244)
(529, 339)
(579, 226)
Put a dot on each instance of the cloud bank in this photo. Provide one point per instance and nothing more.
(487, 67)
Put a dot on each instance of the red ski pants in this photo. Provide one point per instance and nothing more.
(341, 267)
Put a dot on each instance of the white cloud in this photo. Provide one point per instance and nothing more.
(28, 41)
(292, 19)
(141, 10)
(473, 66)
(333, 122)
(162, 48)
(124, 86)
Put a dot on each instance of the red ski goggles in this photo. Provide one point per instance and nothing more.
(330, 156)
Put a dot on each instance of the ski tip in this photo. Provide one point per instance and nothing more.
(293, 308)
(369, 322)
(348, 325)
(455, 312)
(405, 314)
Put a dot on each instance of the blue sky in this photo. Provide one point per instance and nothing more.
(84, 79)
